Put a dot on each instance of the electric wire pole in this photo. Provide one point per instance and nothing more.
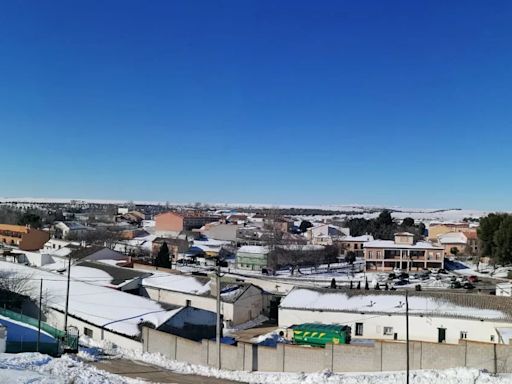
(407, 330)
(217, 335)
(40, 314)
(67, 297)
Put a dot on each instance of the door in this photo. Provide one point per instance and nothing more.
(441, 335)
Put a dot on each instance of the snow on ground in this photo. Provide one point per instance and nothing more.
(32, 368)
(447, 376)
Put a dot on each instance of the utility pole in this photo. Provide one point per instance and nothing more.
(40, 314)
(67, 297)
(407, 330)
(217, 336)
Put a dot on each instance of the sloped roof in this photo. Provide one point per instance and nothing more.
(119, 275)
(439, 304)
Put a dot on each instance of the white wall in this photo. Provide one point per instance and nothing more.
(180, 299)
(421, 328)
(56, 319)
(38, 259)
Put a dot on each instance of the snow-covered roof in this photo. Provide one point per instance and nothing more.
(105, 307)
(392, 244)
(193, 285)
(301, 247)
(389, 302)
(362, 238)
(178, 283)
(253, 249)
(409, 234)
(453, 238)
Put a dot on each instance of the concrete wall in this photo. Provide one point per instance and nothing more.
(375, 357)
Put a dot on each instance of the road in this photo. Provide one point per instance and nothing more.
(152, 373)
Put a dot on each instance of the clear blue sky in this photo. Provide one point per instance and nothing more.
(379, 102)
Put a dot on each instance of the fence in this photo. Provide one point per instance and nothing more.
(29, 345)
(379, 356)
(57, 333)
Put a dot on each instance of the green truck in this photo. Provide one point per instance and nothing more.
(317, 335)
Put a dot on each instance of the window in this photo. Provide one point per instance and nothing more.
(388, 331)
(378, 253)
(463, 334)
(355, 246)
(359, 329)
(188, 303)
(370, 254)
(492, 337)
(87, 332)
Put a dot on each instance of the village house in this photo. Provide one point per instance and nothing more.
(23, 237)
(326, 234)
(472, 244)
(172, 223)
(437, 229)
(240, 302)
(454, 243)
(106, 314)
(353, 243)
(70, 229)
(220, 231)
(177, 245)
(433, 317)
(402, 253)
(253, 257)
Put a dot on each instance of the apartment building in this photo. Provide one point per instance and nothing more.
(23, 237)
(402, 253)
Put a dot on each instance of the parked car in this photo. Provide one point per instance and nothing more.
(468, 285)
(443, 271)
(401, 282)
(473, 279)
(455, 284)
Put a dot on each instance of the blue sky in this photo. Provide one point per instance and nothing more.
(309, 102)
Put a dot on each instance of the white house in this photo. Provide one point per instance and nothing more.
(98, 312)
(433, 317)
(325, 234)
(65, 229)
(240, 302)
(453, 240)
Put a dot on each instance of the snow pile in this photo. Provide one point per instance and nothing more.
(37, 368)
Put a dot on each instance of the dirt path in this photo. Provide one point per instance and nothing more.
(153, 374)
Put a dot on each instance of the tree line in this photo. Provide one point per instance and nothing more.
(384, 227)
(495, 235)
